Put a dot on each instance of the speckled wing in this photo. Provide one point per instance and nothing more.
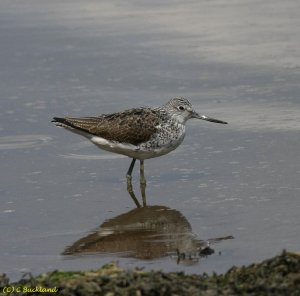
(133, 126)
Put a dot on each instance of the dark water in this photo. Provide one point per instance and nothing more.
(235, 61)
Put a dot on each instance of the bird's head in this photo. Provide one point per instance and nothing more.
(183, 110)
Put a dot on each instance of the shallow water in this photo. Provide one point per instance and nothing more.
(235, 61)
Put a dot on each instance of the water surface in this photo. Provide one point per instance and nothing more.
(237, 61)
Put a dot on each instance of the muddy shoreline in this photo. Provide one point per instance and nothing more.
(279, 275)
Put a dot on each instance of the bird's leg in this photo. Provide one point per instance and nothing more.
(143, 182)
(129, 184)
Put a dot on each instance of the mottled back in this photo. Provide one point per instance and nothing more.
(132, 126)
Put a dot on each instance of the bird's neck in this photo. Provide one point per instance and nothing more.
(179, 119)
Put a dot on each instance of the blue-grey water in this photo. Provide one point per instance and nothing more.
(238, 61)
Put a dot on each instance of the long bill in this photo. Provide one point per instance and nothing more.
(204, 117)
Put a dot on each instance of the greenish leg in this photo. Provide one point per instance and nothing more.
(129, 184)
(143, 183)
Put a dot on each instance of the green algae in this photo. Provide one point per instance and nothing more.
(279, 275)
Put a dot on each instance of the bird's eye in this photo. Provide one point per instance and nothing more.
(181, 108)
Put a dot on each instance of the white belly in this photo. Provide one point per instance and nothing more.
(133, 151)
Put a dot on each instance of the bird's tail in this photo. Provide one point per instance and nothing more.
(62, 122)
(85, 124)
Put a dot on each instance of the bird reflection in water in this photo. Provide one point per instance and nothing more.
(145, 233)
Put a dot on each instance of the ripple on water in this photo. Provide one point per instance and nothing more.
(23, 141)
